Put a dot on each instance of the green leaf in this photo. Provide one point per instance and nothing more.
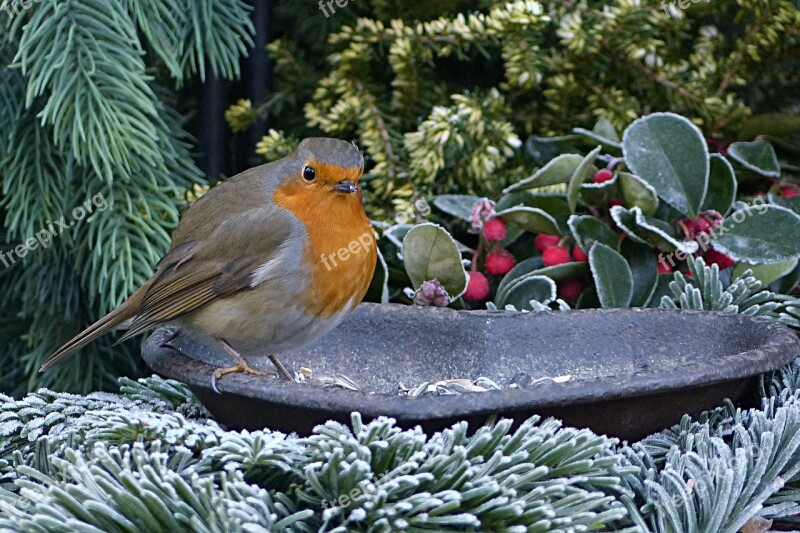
(603, 132)
(792, 203)
(759, 234)
(599, 194)
(612, 276)
(670, 153)
(457, 205)
(531, 219)
(552, 204)
(637, 193)
(571, 270)
(767, 273)
(585, 169)
(588, 299)
(543, 149)
(539, 288)
(429, 252)
(650, 230)
(587, 230)
(789, 281)
(520, 269)
(721, 185)
(557, 170)
(533, 268)
(396, 234)
(379, 287)
(644, 270)
(758, 156)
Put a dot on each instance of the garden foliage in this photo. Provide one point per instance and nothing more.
(527, 104)
(88, 110)
(148, 459)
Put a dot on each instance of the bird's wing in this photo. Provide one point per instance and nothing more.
(241, 252)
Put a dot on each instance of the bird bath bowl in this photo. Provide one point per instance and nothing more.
(631, 372)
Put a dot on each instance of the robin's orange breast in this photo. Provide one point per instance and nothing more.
(341, 247)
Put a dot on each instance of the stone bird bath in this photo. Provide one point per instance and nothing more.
(631, 372)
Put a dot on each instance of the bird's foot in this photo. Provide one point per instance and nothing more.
(241, 368)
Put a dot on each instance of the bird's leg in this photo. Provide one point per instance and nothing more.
(280, 368)
(242, 366)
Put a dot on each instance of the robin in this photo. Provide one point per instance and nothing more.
(267, 261)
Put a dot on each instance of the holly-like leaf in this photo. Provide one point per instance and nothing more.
(759, 156)
(539, 288)
(396, 234)
(649, 230)
(644, 270)
(760, 234)
(721, 185)
(587, 230)
(530, 219)
(457, 205)
(520, 270)
(429, 253)
(670, 153)
(599, 194)
(766, 274)
(585, 169)
(543, 149)
(570, 270)
(558, 170)
(603, 132)
(553, 204)
(792, 203)
(612, 276)
(637, 193)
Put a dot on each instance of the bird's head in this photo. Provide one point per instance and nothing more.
(324, 169)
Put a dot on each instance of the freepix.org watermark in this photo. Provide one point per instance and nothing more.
(43, 237)
(362, 244)
(365, 488)
(15, 7)
(327, 5)
(704, 239)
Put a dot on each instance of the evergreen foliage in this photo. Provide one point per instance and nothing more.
(439, 95)
(149, 459)
(88, 111)
(705, 291)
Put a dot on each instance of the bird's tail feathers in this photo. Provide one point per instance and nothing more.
(112, 320)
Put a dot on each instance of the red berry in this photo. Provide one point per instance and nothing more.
(695, 226)
(555, 255)
(499, 262)
(602, 176)
(494, 230)
(569, 289)
(613, 202)
(579, 254)
(701, 225)
(544, 241)
(790, 191)
(664, 268)
(760, 193)
(477, 287)
(714, 257)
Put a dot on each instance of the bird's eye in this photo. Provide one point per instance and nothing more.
(309, 174)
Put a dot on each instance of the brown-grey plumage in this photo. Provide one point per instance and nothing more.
(235, 241)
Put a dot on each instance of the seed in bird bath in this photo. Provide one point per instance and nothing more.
(340, 380)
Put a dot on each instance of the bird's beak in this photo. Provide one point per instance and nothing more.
(345, 186)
